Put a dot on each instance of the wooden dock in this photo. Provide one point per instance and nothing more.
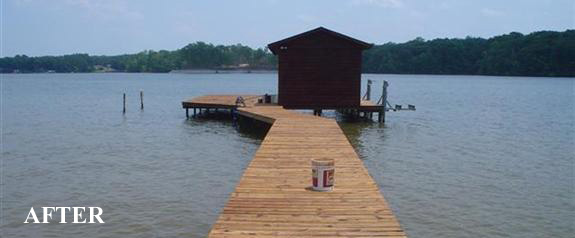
(273, 198)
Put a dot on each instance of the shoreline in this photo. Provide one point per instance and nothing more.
(222, 71)
(214, 71)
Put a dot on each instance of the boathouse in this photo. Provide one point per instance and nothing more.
(319, 69)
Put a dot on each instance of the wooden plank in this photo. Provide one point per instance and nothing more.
(219, 101)
(273, 197)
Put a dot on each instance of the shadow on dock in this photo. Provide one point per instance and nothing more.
(248, 127)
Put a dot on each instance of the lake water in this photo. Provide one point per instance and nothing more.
(481, 156)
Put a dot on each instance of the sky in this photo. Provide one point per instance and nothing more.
(112, 27)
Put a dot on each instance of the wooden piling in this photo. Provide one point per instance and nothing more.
(141, 100)
(381, 116)
(124, 110)
(368, 93)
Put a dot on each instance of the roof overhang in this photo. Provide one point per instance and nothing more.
(275, 46)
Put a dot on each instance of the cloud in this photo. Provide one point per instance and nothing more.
(491, 12)
(379, 3)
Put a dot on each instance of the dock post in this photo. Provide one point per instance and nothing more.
(142, 100)
(187, 113)
(368, 93)
(381, 116)
(124, 110)
(235, 117)
(194, 112)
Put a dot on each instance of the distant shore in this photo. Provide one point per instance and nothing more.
(217, 71)
(183, 71)
(223, 71)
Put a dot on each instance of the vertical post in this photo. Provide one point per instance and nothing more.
(368, 93)
(124, 110)
(381, 117)
(187, 113)
(142, 100)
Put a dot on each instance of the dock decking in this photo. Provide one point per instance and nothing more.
(273, 198)
(229, 102)
(219, 101)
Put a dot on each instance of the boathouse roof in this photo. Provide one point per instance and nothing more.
(320, 34)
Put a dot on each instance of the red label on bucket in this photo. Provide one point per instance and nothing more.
(323, 173)
(328, 178)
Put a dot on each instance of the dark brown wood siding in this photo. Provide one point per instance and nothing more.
(319, 69)
(319, 77)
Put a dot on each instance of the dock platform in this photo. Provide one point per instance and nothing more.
(229, 102)
(273, 198)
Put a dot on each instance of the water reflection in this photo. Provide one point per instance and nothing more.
(355, 131)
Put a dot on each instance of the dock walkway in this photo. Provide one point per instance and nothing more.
(273, 198)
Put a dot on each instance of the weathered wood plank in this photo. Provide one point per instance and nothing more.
(273, 197)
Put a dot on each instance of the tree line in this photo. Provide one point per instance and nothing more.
(543, 53)
(198, 55)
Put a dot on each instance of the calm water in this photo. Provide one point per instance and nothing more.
(481, 157)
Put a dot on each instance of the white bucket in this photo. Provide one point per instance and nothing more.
(323, 174)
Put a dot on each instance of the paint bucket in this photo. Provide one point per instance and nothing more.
(323, 174)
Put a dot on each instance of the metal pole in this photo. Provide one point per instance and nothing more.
(124, 110)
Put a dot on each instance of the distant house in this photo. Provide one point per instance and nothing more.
(319, 69)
